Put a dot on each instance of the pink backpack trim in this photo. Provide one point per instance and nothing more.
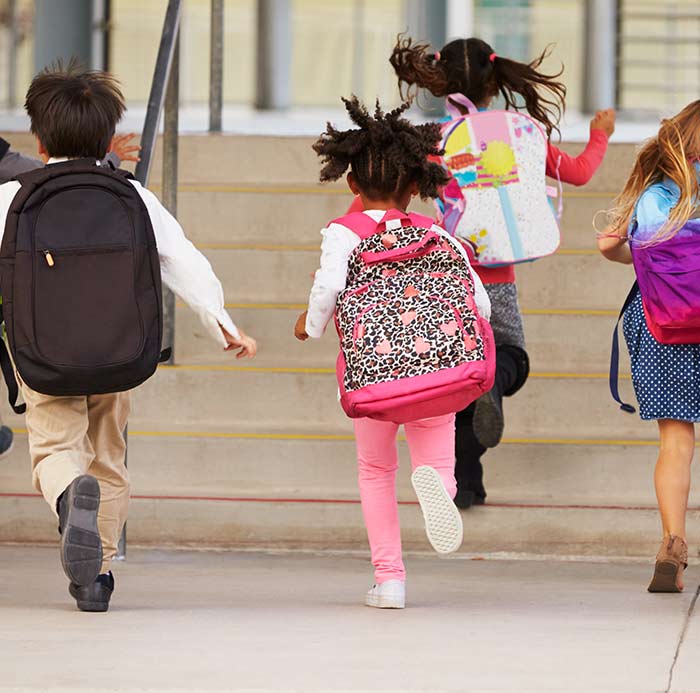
(364, 226)
(408, 252)
(423, 396)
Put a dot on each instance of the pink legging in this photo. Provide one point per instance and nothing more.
(432, 443)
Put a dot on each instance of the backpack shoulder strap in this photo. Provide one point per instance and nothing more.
(364, 226)
(8, 374)
(40, 175)
(421, 221)
(359, 223)
(453, 103)
(615, 354)
(32, 178)
(128, 175)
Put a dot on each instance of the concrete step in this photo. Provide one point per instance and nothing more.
(291, 161)
(248, 200)
(246, 159)
(223, 159)
(562, 342)
(220, 214)
(565, 281)
(272, 327)
(227, 456)
(222, 399)
(206, 523)
(210, 491)
(216, 466)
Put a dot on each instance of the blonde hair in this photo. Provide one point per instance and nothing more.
(668, 155)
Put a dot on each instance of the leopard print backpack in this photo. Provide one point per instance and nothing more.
(412, 342)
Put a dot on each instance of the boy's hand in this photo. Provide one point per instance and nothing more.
(123, 149)
(300, 327)
(247, 345)
(605, 121)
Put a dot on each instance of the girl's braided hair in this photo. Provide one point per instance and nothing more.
(386, 152)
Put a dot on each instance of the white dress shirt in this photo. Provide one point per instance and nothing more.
(336, 249)
(183, 268)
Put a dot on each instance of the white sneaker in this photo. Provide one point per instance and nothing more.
(389, 595)
(443, 523)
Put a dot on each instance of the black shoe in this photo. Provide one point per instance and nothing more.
(96, 596)
(81, 546)
(464, 499)
(7, 441)
(488, 419)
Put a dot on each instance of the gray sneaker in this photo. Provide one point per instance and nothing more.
(488, 419)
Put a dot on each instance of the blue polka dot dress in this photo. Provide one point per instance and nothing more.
(666, 377)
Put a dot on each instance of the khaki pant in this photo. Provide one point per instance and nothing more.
(71, 436)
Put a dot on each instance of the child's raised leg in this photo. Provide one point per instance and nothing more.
(378, 461)
(672, 481)
(431, 442)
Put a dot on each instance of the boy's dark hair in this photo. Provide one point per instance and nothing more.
(73, 111)
(386, 153)
(472, 68)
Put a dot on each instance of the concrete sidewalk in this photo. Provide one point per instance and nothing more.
(191, 621)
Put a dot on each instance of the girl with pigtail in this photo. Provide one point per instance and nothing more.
(472, 68)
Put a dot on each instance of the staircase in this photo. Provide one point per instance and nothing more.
(225, 453)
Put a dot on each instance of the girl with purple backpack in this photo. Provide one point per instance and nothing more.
(656, 226)
(415, 344)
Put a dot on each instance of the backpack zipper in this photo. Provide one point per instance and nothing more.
(50, 256)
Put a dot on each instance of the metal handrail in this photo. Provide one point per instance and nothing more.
(216, 66)
(161, 75)
(661, 16)
(164, 91)
(660, 38)
(654, 64)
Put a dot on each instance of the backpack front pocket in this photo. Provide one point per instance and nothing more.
(412, 336)
(81, 298)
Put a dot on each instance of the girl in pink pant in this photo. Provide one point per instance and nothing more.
(388, 160)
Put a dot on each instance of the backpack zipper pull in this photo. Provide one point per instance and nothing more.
(49, 258)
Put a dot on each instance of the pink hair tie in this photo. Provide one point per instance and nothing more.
(437, 56)
(493, 57)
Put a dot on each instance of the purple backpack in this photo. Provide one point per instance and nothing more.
(668, 275)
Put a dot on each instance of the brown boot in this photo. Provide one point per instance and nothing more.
(671, 561)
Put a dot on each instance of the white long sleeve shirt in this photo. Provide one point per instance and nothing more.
(336, 248)
(184, 269)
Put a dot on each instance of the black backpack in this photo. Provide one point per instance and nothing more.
(80, 283)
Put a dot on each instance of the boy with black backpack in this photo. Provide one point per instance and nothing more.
(12, 164)
(81, 259)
